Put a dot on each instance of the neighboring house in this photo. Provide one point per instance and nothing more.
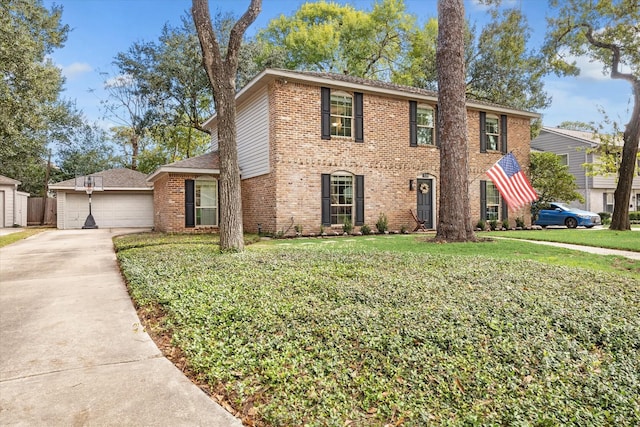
(13, 203)
(572, 146)
(318, 149)
(125, 201)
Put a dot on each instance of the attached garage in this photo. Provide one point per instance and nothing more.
(126, 200)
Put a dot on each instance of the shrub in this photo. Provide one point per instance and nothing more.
(481, 224)
(365, 230)
(347, 226)
(505, 224)
(382, 225)
(493, 224)
(321, 229)
(605, 217)
(403, 229)
(520, 222)
(634, 216)
(298, 229)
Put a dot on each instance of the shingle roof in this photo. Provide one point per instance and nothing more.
(584, 136)
(112, 179)
(5, 180)
(206, 163)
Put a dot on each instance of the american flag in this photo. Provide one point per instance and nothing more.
(512, 184)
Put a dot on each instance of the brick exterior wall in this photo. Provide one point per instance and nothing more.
(169, 205)
(387, 161)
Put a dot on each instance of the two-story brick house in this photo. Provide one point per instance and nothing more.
(318, 149)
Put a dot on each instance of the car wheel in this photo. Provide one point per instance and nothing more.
(571, 223)
(589, 226)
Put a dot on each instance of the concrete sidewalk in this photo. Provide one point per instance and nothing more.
(589, 249)
(72, 351)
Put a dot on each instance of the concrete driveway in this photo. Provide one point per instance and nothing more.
(72, 351)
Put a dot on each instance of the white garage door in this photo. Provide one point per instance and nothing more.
(109, 209)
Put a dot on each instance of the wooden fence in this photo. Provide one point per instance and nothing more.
(41, 211)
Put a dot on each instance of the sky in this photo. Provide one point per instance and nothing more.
(100, 29)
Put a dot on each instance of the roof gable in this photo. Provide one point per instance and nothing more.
(207, 163)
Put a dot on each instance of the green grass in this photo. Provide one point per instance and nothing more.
(8, 239)
(624, 240)
(398, 331)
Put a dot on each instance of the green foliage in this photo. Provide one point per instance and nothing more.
(331, 37)
(382, 224)
(322, 333)
(8, 239)
(520, 222)
(347, 226)
(365, 230)
(493, 224)
(481, 224)
(605, 217)
(32, 114)
(552, 180)
(505, 224)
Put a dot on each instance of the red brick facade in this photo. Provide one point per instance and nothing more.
(290, 193)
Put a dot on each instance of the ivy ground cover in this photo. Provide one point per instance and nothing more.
(347, 334)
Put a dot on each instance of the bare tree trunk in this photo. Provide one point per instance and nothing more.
(622, 195)
(134, 149)
(222, 77)
(454, 217)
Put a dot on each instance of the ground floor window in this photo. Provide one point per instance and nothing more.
(607, 202)
(492, 207)
(206, 202)
(342, 199)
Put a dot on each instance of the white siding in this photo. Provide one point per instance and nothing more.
(7, 217)
(252, 124)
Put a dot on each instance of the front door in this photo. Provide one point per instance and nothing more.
(425, 201)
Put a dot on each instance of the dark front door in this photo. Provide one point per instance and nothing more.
(425, 201)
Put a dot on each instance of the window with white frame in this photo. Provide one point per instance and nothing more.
(564, 159)
(493, 202)
(608, 202)
(492, 130)
(341, 114)
(341, 198)
(206, 202)
(425, 124)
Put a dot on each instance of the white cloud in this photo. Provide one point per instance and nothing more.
(75, 69)
(122, 80)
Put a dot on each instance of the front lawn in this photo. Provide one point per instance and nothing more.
(304, 332)
(603, 238)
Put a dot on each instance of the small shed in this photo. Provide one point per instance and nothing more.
(125, 200)
(13, 203)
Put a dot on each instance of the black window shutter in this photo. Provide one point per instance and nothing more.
(483, 132)
(326, 199)
(325, 101)
(359, 117)
(483, 200)
(189, 203)
(359, 200)
(503, 133)
(413, 124)
(435, 125)
(505, 209)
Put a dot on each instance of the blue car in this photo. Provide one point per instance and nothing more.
(561, 214)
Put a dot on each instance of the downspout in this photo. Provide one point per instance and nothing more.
(587, 193)
(15, 205)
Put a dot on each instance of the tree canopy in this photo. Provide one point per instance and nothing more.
(606, 32)
(31, 111)
(552, 180)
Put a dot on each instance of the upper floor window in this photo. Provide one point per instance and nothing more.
(341, 114)
(425, 125)
(492, 130)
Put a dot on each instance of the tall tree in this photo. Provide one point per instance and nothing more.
(222, 69)
(552, 180)
(31, 111)
(132, 110)
(454, 223)
(607, 32)
(338, 38)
